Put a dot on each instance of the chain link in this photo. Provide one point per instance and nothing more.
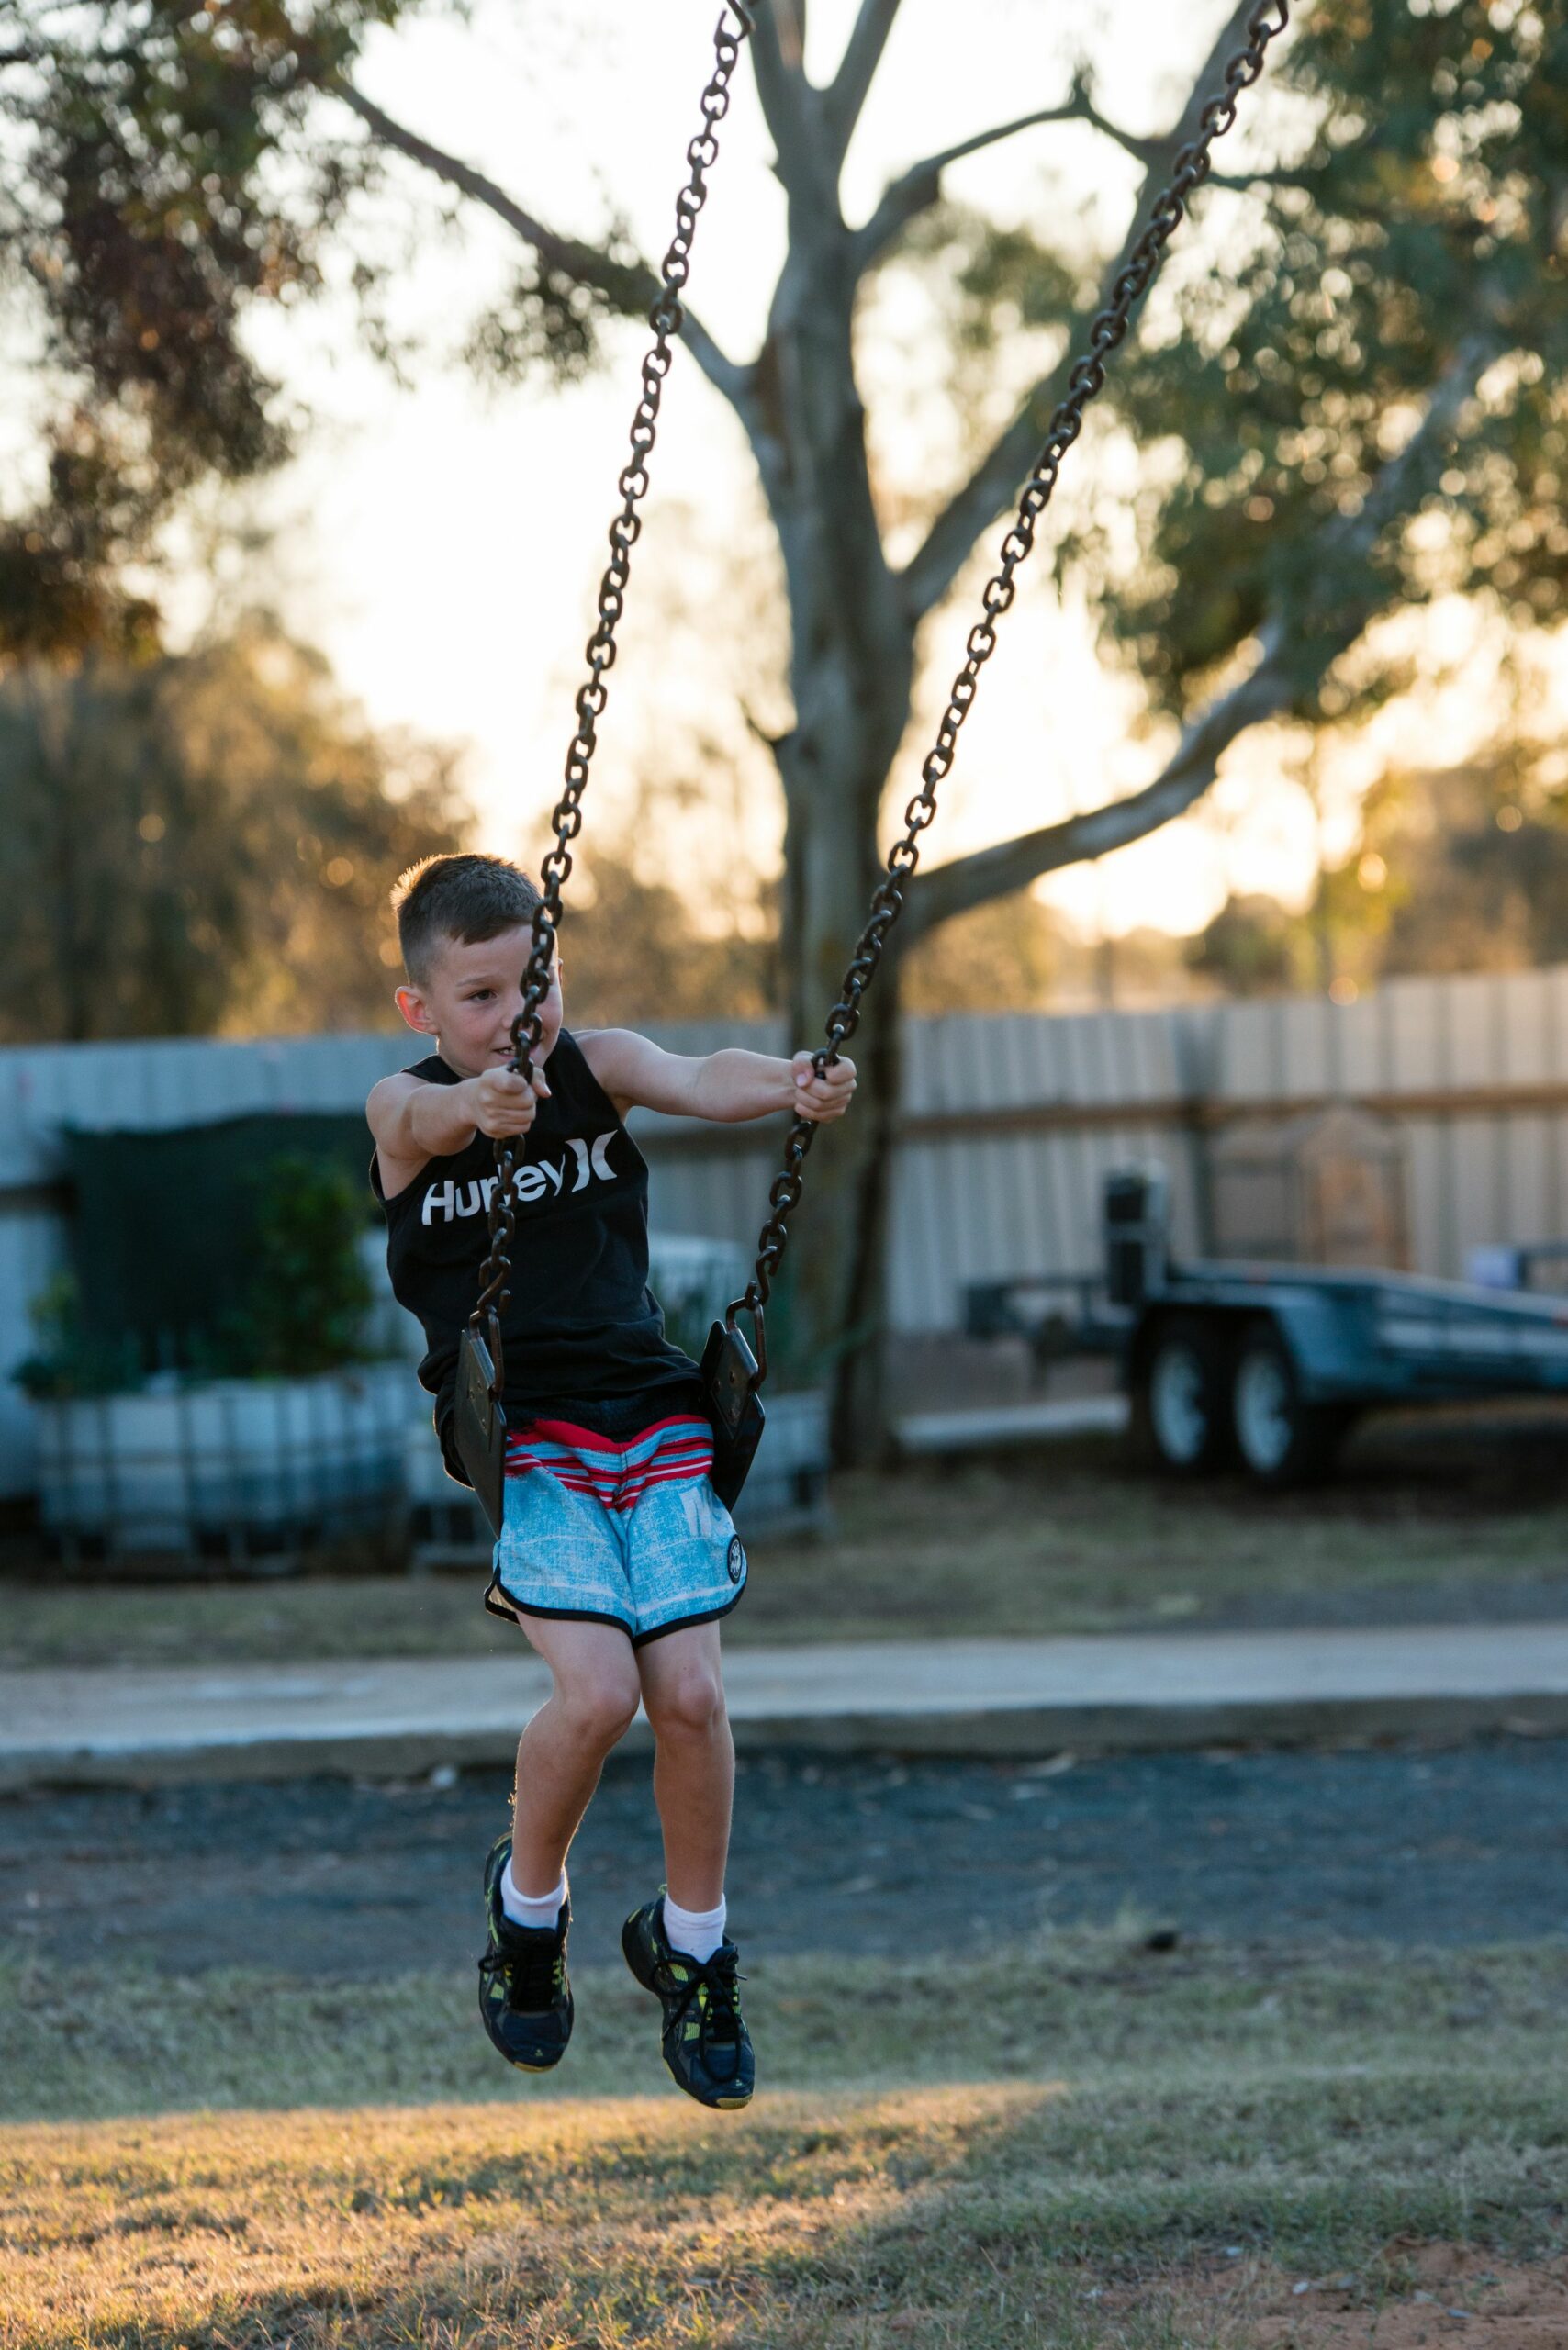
(735, 26)
(1106, 332)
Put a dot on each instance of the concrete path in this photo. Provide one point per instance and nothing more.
(979, 1697)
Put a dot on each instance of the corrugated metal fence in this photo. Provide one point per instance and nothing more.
(1008, 1124)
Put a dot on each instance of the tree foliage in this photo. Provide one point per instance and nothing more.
(139, 219)
(167, 166)
(1425, 215)
(204, 844)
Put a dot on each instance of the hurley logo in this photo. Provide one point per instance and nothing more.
(581, 1160)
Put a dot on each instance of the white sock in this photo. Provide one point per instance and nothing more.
(696, 1932)
(523, 1909)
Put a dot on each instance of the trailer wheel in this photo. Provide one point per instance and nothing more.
(1283, 1438)
(1180, 1397)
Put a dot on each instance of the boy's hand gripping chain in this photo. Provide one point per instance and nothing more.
(728, 1359)
(480, 1426)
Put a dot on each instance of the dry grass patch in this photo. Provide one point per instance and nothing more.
(585, 2224)
(1183, 2140)
(1031, 1545)
(987, 2217)
(1058, 1542)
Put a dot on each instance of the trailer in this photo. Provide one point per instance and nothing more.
(1272, 1365)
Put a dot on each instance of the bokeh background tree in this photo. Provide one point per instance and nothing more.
(199, 844)
(1460, 868)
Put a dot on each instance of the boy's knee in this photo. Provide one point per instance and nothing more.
(601, 1712)
(691, 1705)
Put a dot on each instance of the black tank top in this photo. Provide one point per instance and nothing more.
(583, 1324)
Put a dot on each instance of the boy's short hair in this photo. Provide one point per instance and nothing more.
(467, 897)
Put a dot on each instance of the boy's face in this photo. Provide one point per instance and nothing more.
(471, 997)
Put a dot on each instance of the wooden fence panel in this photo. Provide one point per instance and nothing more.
(1418, 1036)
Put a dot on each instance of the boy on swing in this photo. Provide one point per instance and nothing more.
(616, 1556)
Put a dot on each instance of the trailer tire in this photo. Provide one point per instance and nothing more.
(1182, 1396)
(1280, 1438)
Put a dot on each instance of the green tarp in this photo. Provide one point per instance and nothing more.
(161, 1223)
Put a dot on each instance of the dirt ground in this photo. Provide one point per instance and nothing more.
(1437, 2294)
(1464, 1845)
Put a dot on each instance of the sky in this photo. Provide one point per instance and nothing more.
(442, 544)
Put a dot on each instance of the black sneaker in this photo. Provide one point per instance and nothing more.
(706, 2043)
(525, 1995)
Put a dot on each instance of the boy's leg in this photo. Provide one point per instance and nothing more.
(562, 1751)
(694, 1760)
(525, 1996)
(677, 1947)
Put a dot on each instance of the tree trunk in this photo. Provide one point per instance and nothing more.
(852, 667)
(49, 710)
(836, 1285)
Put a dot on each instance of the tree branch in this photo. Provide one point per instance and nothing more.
(790, 106)
(789, 18)
(1298, 649)
(1402, 479)
(1266, 176)
(585, 264)
(1142, 148)
(994, 482)
(916, 190)
(846, 94)
(1310, 174)
(966, 883)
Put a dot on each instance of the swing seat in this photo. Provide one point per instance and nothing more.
(729, 1378)
(479, 1427)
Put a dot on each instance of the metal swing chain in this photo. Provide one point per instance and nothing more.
(1108, 330)
(735, 25)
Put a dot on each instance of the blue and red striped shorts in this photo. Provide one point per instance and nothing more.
(617, 1531)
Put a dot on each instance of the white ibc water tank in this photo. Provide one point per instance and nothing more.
(224, 1464)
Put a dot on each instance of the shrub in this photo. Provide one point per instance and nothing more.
(308, 1292)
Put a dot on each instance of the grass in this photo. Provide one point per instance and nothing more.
(1049, 2159)
(1034, 1544)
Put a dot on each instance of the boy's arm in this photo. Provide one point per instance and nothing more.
(414, 1121)
(726, 1086)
